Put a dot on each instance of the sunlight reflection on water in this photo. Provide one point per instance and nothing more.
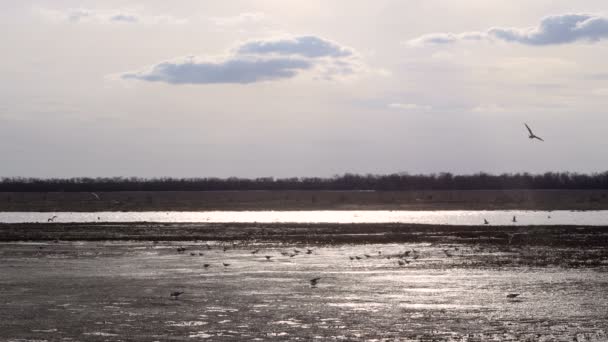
(445, 217)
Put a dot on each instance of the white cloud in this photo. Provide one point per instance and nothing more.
(84, 15)
(555, 29)
(256, 61)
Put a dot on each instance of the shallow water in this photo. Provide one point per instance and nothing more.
(118, 291)
(441, 217)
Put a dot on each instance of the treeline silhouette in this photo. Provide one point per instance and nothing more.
(395, 182)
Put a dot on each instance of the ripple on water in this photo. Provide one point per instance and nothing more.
(100, 333)
(200, 334)
(185, 323)
(220, 309)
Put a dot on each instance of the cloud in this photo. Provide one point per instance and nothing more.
(129, 18)
(552, 30)
(233, 70)
(256, 61)
(84, 15)
(306, 46)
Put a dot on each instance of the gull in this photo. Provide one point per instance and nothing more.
(351, 257)
(485, 221)
(512, 295)
(514, 218)
(532, 135)
(52, 218)
(314, 281)
(255, 252)
(95, 195)
(401, 262)
(206, 265)
(268, 257)
(176, 294)
(225, 264)
(308, 251)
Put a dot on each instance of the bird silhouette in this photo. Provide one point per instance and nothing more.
(314, 281)
(225, 264)
(308, 251)
(514, 218)
(255, 252)
(176, 294)
(358, 257)
(532, 135)
(268, 257)
(485, 221)
(206, 265)
(512, 295)
(95, 195)
(52, 218)
(401, 262)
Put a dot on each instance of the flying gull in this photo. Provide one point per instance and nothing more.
(532, 135)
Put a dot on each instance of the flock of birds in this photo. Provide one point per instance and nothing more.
(403, 258)
(180, 250)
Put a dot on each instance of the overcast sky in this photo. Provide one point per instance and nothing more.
(302, 87)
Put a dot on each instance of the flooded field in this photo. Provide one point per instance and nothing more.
(238, 290)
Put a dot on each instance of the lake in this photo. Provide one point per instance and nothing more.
(445, 217)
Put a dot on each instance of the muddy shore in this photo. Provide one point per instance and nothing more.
(306, 200)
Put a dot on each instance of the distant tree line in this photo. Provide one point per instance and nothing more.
(395, 182)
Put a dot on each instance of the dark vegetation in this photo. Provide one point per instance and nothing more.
(393, 182)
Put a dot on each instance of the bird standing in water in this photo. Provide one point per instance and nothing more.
(176, 294)
(314, 281)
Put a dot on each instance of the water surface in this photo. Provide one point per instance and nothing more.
(441, 217)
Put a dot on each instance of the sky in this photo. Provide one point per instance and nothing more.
(295, 88)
